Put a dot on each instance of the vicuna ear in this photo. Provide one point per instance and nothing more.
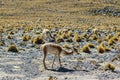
(75, 49)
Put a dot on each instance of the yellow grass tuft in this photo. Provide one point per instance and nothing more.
(63, 35)
(109, 66)
(101, 48)
(70, 33)
(66, 46)
(86, 49)
(117, 57)
(107, 37)
(111, 41)
(9, 36)
(91, 45)
(38, 40)
(76, 37)
(93, 37)
(58, 40)
(12, 48)
(26, 37)
(99, 40)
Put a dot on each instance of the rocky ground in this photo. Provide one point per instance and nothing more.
(27, 63)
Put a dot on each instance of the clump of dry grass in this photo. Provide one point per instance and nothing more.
(11, 33)
(107, 37)
(112, 40)
(109, 66)
(12, 48)
(66, 46)
(76, 37)
(93, 37)
(9, 36)
(99, 40)
(59, 39)
(38, 40)
(119, 40)
(91, 45)
(86, 49)
(102, 48)
(1, 29)
(2, 43)
(26, 37)
(117, 57)
(64, 36)
(37, 32)
(76, 45)
(69, 34)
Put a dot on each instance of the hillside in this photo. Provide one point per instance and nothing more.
(56, 13)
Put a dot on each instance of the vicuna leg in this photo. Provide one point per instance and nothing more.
(54, 60)
(59, 60)
(45, 54)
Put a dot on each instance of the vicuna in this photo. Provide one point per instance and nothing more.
(47, 35)
(52, 48)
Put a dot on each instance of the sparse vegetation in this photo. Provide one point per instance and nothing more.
(38, 40)
(101, 48)
(58, 40)
(12, 48)
(76, 37)
(26, 37)
(109, 66)
(78, 25)
(86, 49)
(91, 45)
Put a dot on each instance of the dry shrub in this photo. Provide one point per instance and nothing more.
(99, 40)
(52, 78)
(109, 66)
(2, 43)
(86, 49)
(58, 40)
(117, 34)
(66, 46)
(70, 33)
(11, 33)
(93, 37)
(64, 36)
(91, 45)
(115, 38)
(1, 30)
(38, 40)
(107, 37)
(12, 48)
(107, 49)
(26, 37)
(101, 48)
(83, 36)
(69, 39)
(119, 40)
(76, 45)
(111, 41)
(117, 57)
(76, 37)
(37, 32)
(9, 36)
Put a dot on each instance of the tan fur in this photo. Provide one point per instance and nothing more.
(51, 48)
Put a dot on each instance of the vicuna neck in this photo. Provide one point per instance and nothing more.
(67, 53)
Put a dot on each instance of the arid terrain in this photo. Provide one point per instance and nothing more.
(91, 26)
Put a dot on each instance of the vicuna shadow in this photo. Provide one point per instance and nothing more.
(62, 69)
